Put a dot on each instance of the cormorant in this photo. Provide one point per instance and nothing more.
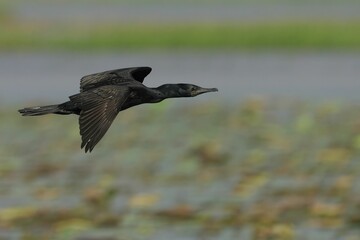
(103, 95)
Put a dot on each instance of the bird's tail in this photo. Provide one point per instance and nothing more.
(37, 111)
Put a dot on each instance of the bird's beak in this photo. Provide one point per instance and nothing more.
(205, 90)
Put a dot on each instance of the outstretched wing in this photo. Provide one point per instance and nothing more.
(99, 109)
(114, 77)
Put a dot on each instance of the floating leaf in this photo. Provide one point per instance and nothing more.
(180, 211)
(13, 214)
(333, 155)
(304, 123)
(73, 225)
(144, 200)
(283, 232)
(356, 142)
(47, 193)
(250, 185)
(326, 209)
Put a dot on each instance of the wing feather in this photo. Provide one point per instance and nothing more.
(114, 77)
(100, 106)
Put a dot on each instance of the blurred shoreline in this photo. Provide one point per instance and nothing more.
(82, 26)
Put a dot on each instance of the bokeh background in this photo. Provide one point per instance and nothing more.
(275, 154)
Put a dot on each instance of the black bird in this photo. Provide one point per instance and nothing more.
(103, 95)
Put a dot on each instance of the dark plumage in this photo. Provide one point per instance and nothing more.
(103, 95)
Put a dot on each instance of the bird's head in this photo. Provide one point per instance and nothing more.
(191, 90)
(184, 90)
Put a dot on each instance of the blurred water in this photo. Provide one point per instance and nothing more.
(312, 76)
(210, 171)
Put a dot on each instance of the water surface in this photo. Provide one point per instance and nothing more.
(51, 77)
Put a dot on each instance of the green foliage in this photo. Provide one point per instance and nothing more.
(278, 35)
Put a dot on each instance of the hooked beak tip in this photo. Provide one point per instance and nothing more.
(206, 90)
(211, 90)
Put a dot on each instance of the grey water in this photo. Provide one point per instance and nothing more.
(321, 76)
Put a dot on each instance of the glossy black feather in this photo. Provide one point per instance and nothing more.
(114, 77)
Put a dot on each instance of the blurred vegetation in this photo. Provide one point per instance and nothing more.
(18, 35)
(200, 1)
(289, 35)
(32, 35)
(256, 170)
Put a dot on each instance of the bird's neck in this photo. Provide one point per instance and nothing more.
(169, 91)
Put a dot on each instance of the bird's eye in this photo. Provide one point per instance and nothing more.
(192, 89)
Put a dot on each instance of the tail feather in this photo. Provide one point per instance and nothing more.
(37, 111)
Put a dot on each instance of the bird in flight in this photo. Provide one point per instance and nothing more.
(103, 95)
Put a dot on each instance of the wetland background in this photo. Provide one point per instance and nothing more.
(273, 155)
